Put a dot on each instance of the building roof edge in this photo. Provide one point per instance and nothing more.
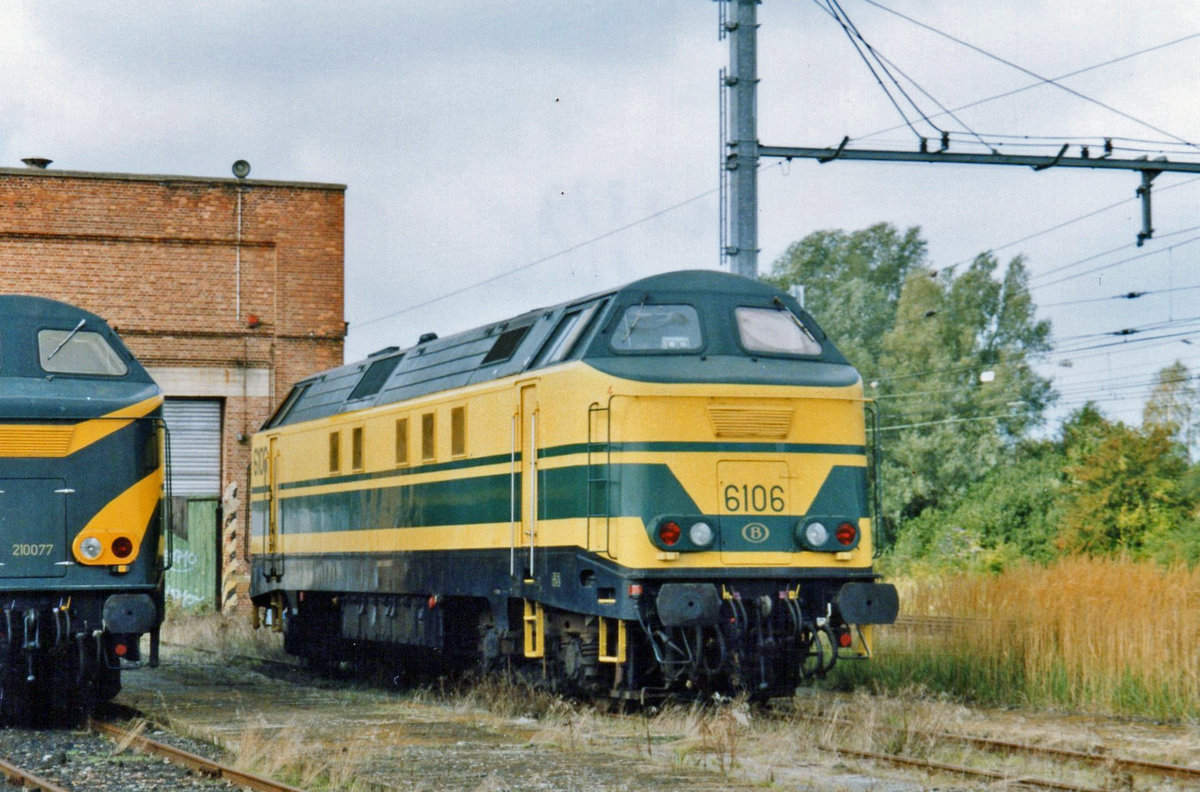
(150, 177)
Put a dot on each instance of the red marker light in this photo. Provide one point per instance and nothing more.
(845, 639)
(845, 534)
(669, 533)
(122, 547)
(120, 650)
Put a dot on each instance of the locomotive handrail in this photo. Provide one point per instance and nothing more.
(533, 488)
(603, 479)
(874, 460)
(512, 503)
(165, 509)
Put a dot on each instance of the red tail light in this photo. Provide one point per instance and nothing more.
(845, 534)
(122, 547)
(844, 638)
(669, 533)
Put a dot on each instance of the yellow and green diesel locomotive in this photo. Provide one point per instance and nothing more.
(82, 474)
(656, 489)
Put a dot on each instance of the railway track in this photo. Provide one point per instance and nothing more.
(117, 770)
(1101, 760)
(198, 764)
(524, 743)
(17, 776)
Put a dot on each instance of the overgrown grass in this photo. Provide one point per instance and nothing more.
(294, 756)
(228, 635)
(1098, 635)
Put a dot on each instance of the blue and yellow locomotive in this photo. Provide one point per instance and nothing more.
(81, 486)
(659, 488)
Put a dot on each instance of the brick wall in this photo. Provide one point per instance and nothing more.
(161, 258)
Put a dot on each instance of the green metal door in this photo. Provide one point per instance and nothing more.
(192, 578)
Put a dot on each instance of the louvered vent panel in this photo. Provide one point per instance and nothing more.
(35, 441)
(750, 422)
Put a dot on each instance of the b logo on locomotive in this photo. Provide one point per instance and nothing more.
(755, 533)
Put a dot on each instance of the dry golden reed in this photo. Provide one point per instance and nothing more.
(1105, 635)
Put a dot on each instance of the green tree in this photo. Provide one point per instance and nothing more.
(852, 282)
(1175, 404)
(1011, 513)
(956, 379)
(1125, 490)
(947, 356)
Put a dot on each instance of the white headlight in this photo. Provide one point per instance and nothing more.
(91, 548)
(701, 534)
(816, 534)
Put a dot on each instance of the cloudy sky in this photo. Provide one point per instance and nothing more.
(501, 156)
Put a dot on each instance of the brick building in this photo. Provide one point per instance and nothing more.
(227, 290)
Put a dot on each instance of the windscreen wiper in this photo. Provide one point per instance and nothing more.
(70, 335)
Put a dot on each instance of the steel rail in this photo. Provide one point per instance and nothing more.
(993, 775)
(1110, 760)
(27, 780)
(1128, 763)
(190, 760)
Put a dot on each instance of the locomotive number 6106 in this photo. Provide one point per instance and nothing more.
(755, 498)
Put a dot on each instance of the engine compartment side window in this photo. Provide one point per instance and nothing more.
(428, 448)
(402, 441)
(774, 330)
(335, 452)
(78, 352)
(458, 432)
(662, 328)
(356, 448)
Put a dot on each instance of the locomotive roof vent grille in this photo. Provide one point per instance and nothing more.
(759, 422)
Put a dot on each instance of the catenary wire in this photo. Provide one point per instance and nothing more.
(541, 260)
(1056, 78)
(1022, 69)
(844, 24)
(1041, 81)
(834, 9)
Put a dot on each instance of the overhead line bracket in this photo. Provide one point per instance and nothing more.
(1057, 159)
(841, 147)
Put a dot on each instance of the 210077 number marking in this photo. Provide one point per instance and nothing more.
(754, 498)
(21, 549)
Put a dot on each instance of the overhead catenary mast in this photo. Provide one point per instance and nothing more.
(742, 151)
(739, 182)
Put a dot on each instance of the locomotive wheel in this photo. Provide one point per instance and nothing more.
(579, 664)
(820, 654)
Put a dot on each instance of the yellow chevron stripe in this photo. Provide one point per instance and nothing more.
(128, 514)
(57, 440)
